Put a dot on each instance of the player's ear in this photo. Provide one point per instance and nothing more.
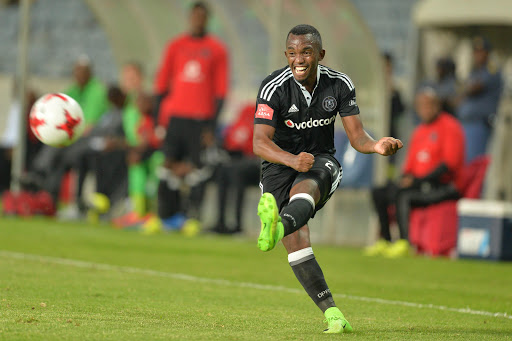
(321, 54)
(285, 54)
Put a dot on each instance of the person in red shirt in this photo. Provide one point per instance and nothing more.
(190, 88)
(431, 172)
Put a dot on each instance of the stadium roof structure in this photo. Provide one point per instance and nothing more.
(462, 13)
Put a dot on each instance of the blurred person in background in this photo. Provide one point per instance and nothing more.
(137, 117)
(446, 84)
(480, 98)
(294, 135)
(396, 107)
(131, 78)
(88, 91)
(239, 172)
(190, 85)
(431, 173)
(104, 149)
(143, 159)
(51, 164)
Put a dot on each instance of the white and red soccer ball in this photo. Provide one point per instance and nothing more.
(57, 120)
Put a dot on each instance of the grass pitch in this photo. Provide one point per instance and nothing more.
(61, 281)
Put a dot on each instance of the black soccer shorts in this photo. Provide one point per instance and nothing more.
(183, 140)
(279, 180)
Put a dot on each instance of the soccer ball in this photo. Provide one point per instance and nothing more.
(57, 120)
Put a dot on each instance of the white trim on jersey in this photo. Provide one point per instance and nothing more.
(268, 90)
(274, 87)
(336, 182)
(336, 74)
(272, 81)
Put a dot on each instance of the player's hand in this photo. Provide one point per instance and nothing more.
(406, 181)
(303, 162)
(388, 146)
(181, 168)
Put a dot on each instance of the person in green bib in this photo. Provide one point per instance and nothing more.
(142, 158)
(51, 164)
(88, 91)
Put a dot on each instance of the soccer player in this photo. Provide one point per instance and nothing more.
(294, 135)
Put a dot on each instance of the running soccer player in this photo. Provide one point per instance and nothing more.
(294, 135)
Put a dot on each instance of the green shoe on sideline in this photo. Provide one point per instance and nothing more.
(399, 249)
(272, 230)
(336, 322)
(377, 249)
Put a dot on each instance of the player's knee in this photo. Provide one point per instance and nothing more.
(323, 179)
(305, 196)
(306, 186)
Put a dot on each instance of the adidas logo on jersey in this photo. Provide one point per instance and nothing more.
(293, 108)
(311, 123)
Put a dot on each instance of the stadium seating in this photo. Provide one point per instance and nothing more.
(56, 26)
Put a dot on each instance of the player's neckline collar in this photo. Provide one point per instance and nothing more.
(307, 96)
(303, 88)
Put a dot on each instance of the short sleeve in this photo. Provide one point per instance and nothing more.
(348, 106)
(267, 109)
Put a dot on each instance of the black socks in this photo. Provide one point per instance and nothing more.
(297, 213)
(310, 275)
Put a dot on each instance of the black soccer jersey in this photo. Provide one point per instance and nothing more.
(304, 122)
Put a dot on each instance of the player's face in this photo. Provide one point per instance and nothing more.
(198, 20)
(82, 74)
(427, 106)
(131, 79)
(303, 55)
(480, 56)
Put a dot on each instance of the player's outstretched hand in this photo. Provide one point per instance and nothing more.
(303, 162)
(388, 146)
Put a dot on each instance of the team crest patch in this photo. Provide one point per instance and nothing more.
(264, 111)
(329, 103)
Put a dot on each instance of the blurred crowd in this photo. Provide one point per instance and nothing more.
(446, 156)
(147, 155)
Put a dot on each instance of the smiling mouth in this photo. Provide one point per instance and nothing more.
(300, 70)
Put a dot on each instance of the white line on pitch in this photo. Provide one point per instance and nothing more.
(185, 277)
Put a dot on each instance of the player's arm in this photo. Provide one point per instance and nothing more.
(364, 143)
(163, 79)
(221, 80)
(264, 147)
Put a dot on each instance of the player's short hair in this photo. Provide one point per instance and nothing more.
(304, 29)
(429, 90)
(115, 94)
(200, 4)
(388, 57)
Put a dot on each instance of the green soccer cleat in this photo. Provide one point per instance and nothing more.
(336, 322)
(379, 248)
(399, 249)
(272, 230)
